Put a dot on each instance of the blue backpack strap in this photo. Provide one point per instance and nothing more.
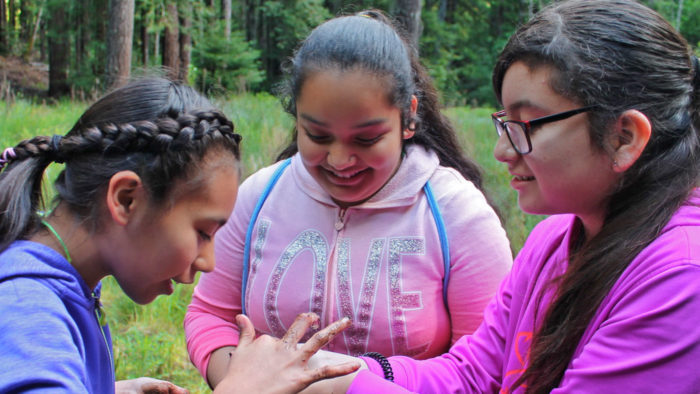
(442, 233)
(249, 234)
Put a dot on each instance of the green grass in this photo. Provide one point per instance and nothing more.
(149, 340)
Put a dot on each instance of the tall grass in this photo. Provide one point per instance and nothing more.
(149, 340)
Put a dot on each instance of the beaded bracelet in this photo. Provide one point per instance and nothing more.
(384, 363)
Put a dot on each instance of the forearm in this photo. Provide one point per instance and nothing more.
(218, 365)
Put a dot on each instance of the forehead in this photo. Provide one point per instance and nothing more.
(335, 86)
(524, 85)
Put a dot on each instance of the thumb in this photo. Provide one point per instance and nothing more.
(247, 331)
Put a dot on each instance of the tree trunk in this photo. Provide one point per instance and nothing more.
(119, 41)
(679, 13)
(12, 13)
(59, 50)
(26, 19)
(145, 43)
(32, 37)
(408, 15)
(3, 27)
(226, 9)
(185, 42)
(171, 44)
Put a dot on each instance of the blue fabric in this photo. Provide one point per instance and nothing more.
(50, 338)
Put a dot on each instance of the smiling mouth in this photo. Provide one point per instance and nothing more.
(344, 175)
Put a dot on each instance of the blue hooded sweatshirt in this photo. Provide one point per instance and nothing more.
(50, 336)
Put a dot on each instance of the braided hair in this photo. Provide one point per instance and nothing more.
(161, 146)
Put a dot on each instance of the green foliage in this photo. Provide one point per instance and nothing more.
(288, 22)
(222, 64)
(460, 48)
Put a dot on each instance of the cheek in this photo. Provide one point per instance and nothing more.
(311, 153)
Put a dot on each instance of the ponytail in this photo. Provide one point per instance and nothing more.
(20, 187)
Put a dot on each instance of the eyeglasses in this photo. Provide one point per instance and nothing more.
(518, 131)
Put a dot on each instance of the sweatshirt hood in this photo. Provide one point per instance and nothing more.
(27, 259)
(417, 166)
(688, 214)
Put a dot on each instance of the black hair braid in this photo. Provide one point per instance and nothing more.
(165, 134)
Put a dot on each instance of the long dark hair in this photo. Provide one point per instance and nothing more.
(369, 41)
(157, 128)
(618, 55)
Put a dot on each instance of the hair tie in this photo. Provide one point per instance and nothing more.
(8, 155)
(55, 148)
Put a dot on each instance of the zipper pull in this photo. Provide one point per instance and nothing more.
(101, 315)
(340, 223)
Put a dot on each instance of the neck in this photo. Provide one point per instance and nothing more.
(71, 241)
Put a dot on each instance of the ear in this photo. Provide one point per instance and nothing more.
(629, 138)
(411, 130)
(124, 193)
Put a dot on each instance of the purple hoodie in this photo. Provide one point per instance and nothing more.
(50, 338)
(644, 338)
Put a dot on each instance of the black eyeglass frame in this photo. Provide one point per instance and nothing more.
(527, 125)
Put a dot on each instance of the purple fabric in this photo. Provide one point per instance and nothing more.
(645, 337)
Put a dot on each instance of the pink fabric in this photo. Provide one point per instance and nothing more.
(383, 268)
(645, 337)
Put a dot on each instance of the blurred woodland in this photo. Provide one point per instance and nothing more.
(227, 46)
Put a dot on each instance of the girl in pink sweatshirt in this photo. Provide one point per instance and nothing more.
(375, 213)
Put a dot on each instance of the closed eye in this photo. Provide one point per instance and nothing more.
(369, 141)
(316, 137)
(205, 237)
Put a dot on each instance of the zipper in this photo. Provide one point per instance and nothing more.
(340, 221)
(101, 321)
(331, 273)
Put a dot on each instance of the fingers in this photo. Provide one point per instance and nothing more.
(321, 338)
(247, 331)
(298, 329)
(331, 371)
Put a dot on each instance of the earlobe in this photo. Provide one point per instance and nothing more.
(411, 130)
(124, 194)
(630, 137)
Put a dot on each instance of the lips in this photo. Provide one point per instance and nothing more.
(345, 178)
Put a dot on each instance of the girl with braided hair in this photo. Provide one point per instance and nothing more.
(151, 173)
(372, 212)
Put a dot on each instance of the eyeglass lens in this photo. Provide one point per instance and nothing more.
(516, 134)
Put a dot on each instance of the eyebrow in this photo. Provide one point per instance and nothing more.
(522, 104)
(369, 123)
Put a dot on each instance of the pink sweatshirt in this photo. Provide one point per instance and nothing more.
(645, 337)
(380, 263)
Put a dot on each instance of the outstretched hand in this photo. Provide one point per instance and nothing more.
(269, 365)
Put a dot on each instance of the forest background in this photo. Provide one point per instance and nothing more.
(58, 55)
(231, 46)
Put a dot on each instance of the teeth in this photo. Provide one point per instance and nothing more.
(345, 176)
(524, 178)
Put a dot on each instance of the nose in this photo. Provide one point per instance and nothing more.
(205, 261)
(340, 156)
(504, 151)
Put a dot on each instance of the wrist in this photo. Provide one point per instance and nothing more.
(383, 363)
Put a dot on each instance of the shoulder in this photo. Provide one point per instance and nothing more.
(459, 198)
